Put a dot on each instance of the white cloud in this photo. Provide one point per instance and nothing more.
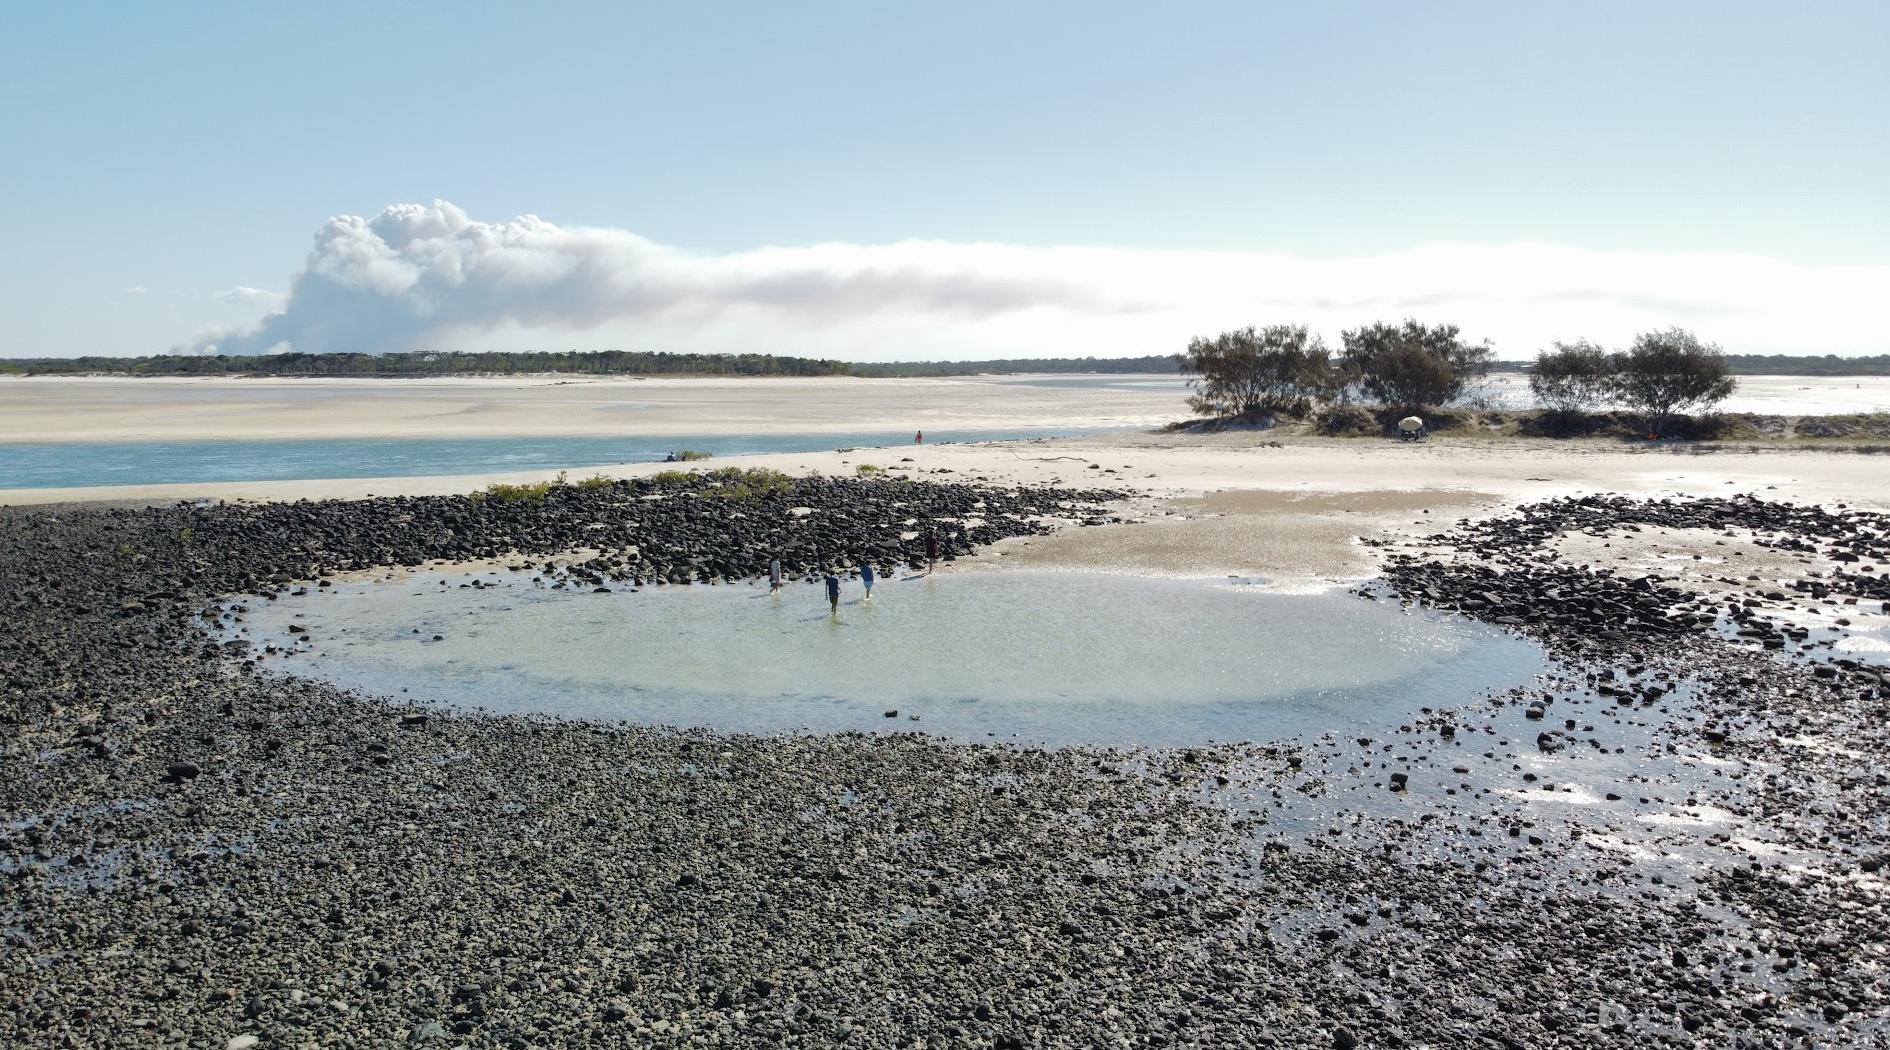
(243, 295)
(418, 276)
(137, 289)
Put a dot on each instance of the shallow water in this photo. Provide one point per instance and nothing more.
(1763, 395)
(66, 464)
(1040, 657)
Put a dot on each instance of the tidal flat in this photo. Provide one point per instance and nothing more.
(1024, 656)
(1673, 834)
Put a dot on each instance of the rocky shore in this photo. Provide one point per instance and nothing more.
(1676, 840)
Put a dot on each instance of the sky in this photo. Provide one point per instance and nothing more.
(965, 180)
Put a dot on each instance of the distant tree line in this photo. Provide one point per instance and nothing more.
(599, 362)
(433, 363)
(1154, 363)
(1373, 340)
(1256, 374)
(1790, 365)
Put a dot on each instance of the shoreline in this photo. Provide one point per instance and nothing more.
(631, 435)
(1173, 462)
(1229, 504)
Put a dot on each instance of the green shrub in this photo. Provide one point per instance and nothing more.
(1256, 373)
(504, 493)
(1666, 373)
(1347, 421)
(1574, 423)
(752, 483)
(597, 481)
(869, 468)
(690, 455)
(1571, 379)
(1874, 425)
(771, 481)
(729, 482)
(1412, 367)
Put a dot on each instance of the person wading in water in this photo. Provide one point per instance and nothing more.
(833, 593)
(931, 550)
(866, 577)
(774, 576)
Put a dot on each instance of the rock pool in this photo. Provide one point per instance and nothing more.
(1038, 657)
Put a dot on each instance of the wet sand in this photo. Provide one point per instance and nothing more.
(1227, 504)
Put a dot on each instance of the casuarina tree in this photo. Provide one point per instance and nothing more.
(1255, 371)
(1413, 366)
(1669, 372)
(1572, 377)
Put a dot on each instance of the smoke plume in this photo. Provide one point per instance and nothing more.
(415, 274)
(427, 276)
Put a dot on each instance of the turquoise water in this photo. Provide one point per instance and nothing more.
(1035, 656)
(78, 464)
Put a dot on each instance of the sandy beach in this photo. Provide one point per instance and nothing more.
(117, 409)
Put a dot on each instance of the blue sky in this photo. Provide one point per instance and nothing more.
(192, 150)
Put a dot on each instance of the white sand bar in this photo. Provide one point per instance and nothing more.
(120, 409)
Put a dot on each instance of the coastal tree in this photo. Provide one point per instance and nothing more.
(1671, 371)
(1414, 366)
(1572, 377)
(1250, 372)
(1342, 382)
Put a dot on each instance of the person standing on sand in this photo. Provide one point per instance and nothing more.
(931, 550)
(774, 576)
(833, 593)
(866, 577)
(919, 438)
